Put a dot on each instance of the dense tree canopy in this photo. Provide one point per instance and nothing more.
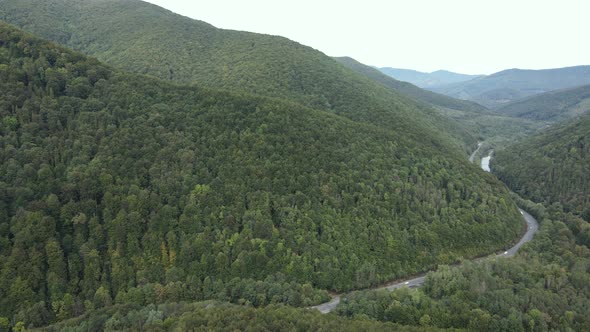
(546, 287)
(551, 166)
(180, 49)
(119, 188)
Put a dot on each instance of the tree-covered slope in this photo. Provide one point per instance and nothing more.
(141, 37)
(551, 106)
(409, 89)
(122, 188)
(506, 86)
(552, 166)
(216, 316)
(545, 287)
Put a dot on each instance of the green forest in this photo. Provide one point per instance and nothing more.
(545, 287)
(551, 166)
(119, 188)
(215, 316)
(161, 174)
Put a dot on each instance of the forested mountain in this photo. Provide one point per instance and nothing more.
(121, 188)
(509, 85)
(426, 80)
(551, 106)
(141, 37)
(552, 166)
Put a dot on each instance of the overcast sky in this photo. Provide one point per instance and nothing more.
(466, 36)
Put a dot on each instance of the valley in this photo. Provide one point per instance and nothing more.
(160, 173)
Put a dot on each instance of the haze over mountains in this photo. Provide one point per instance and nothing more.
(426, 80)
(509, 85)
(499, 89)
(552, 166)
(160, 174)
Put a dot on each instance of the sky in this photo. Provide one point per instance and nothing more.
(465, 36)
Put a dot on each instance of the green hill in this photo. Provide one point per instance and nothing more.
(140, 37)
(554, 106)
(509, 85)
(426, 80)
(552, 166)
(123, 188)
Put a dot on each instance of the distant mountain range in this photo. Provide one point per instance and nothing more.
(426, 80)
(509, 85)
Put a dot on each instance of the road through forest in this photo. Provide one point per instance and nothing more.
(417, 281)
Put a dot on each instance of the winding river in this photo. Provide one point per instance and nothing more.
(418, 280)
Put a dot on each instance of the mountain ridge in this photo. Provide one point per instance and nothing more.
(424, 79)
(501, 88)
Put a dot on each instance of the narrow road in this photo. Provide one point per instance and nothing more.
(417, 281)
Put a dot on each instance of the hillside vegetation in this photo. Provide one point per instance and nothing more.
(215, 316)
(143, 38)
(120, 188)
(545, 287)
(551, 166)
(552, 106)
(506, 86)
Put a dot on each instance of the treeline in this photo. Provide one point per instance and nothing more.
(552, 166)
(121, 188)
(546, 287)
(216, 316)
